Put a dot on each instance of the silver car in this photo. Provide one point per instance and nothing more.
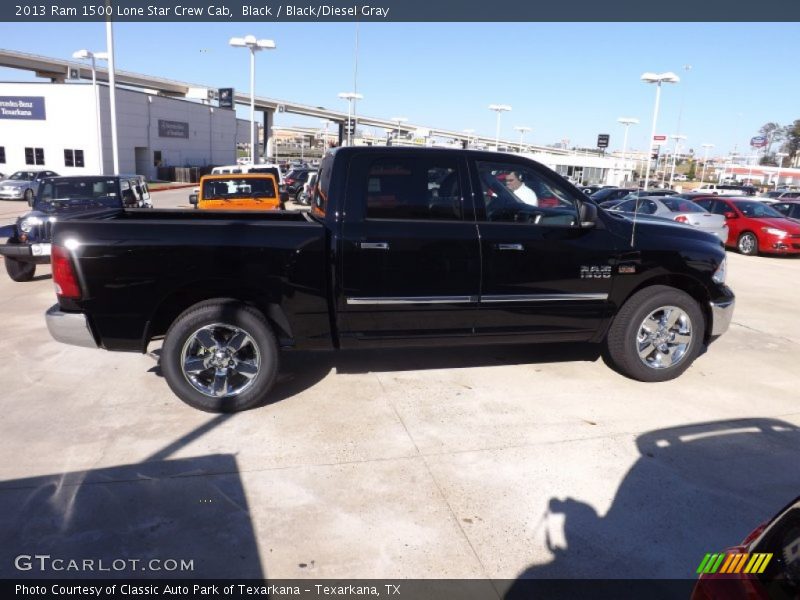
(676, 209)
(23, 185)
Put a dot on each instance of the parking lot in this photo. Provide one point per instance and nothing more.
(495, 463)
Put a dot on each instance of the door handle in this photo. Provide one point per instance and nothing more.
(374, 245)
(509, 246)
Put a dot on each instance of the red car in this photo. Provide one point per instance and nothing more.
(765, 565)
(753, 226)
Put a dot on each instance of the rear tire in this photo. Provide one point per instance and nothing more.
(19, 270)
(747, 244)
(220, 356)
(656, 335)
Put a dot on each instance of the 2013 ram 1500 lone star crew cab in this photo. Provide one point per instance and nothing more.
(403, 246)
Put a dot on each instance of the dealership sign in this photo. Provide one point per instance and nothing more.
(22, 107)
(659, 140)
(173, 129)
(758, 142)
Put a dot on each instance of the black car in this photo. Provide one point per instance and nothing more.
(611, 194)
(295, 180)
(64, 198)
(790, 208)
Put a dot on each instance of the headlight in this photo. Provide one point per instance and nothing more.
(27, 224)
(773, 231)
(719, 274)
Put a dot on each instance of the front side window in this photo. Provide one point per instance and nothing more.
(520, 194)
(409, 188)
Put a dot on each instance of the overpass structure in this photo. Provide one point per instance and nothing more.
(60, 70)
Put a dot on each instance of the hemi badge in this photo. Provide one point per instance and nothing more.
(627, 269)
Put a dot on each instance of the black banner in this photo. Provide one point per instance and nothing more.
(362, 589)
(400, 11)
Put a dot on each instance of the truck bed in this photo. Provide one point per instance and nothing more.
(136, 265)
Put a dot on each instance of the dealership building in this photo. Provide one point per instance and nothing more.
(54, 126)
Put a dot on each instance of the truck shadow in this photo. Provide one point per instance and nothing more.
(301, 370)
(694, 489)
(189, 516)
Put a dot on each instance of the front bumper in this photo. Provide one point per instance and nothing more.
(721, 315)
(38, 253)
(69, 328)
(773, 244)
(15, 195)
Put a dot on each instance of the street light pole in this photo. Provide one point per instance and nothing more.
(658, 79)
(627, 121)
(254, 45)
(469, 133)
(398, 120)
(350, 96)
(677, 139)
(705, 161)
(112, 90)
(498, 108)
(84, 54)
(523, 129)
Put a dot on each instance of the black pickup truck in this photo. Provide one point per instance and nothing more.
(403, 246)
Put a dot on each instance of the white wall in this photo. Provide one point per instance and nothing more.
(70, 123)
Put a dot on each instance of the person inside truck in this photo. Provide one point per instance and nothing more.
(523, 192)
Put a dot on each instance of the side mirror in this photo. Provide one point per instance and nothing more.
(730, 215)
(588, 214)
(193, 199)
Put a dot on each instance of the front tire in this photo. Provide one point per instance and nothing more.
(28, 196)
(220, 356)
(747, 244)
(19, 270)
(656, 335)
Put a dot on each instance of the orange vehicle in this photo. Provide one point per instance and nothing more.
(240, 191)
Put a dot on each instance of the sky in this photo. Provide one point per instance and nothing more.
(564, 80)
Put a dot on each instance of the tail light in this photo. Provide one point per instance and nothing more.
(64, 277)
(682, 219)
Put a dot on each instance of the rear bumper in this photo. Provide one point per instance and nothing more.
(69, 328)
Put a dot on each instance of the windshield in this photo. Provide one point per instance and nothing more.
(681, 205)
(757, 210)
(99, 191)
(23, 176)
(239, 187)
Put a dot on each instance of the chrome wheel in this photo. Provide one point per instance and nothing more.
(664, 337)
(220, 360)
(747, 243)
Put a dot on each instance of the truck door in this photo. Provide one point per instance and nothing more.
(543, 275)
(409, 248)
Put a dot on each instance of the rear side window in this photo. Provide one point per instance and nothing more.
(412, 189)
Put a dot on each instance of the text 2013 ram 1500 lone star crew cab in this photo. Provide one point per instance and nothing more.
(403, 246)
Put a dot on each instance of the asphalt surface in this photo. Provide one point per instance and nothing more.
(458, 463)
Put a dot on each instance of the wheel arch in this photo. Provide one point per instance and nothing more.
(181, 299)
(686, 284)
